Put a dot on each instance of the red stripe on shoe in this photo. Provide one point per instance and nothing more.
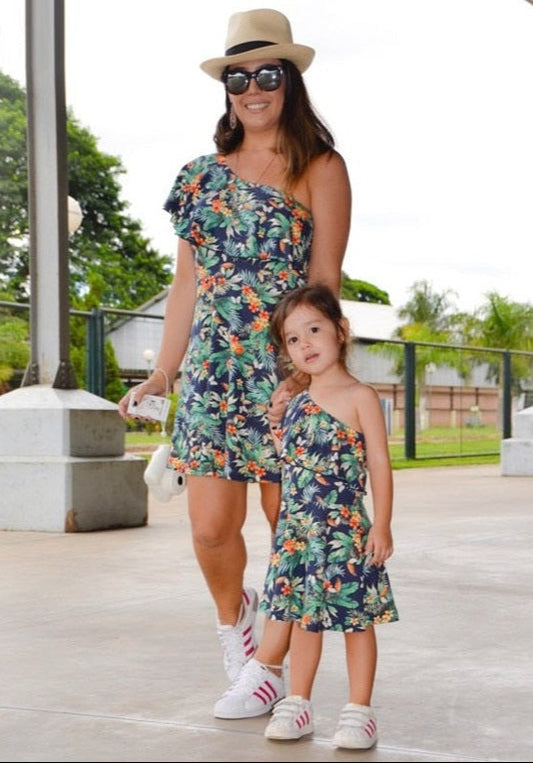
(370, 728)
(266, 693)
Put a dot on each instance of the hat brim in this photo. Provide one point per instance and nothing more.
(300, 55)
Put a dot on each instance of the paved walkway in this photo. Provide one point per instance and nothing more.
(109, 652)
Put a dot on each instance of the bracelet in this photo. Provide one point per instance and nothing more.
(162, 370)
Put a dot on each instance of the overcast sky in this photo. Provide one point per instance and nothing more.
(430, 103)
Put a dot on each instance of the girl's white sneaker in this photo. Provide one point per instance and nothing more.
(357, 729)
(292, 718)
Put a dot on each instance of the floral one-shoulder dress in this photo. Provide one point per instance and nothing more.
(318, 573)
(251, 245)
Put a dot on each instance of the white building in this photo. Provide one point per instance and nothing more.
(132, 336)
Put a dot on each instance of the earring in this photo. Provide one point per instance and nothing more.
(232, 118)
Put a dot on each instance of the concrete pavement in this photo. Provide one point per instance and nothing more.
(109, 651)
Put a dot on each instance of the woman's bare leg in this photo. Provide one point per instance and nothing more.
(217, 511)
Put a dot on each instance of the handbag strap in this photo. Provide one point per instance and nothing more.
(164, 432)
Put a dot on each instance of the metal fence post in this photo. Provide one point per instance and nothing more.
(95, 353)
(507, 396)
(410, 401)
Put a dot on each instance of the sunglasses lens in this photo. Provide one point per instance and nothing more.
(268, 79)
(237, 82)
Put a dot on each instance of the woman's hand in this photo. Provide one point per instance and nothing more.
(282, 394)
(297, 382)
(277, 404)
(155, 385)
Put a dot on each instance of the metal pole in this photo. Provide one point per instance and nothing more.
(410, 400)
(96, 353)
(507, 396)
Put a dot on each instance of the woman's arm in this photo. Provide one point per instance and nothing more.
(179, 312)
(331, 203)
(176, 330)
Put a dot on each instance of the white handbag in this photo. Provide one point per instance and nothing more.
(163, 480)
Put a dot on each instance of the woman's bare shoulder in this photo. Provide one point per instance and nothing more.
(328, 164)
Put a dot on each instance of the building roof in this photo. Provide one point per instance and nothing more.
(131, 337)
(369, 320)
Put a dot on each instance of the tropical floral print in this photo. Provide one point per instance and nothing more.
(318, 573)
(251, 245)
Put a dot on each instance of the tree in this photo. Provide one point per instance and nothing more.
(109, 248)
(110, 262)
(429, 320)
(507, 325)
(427, 307)
(14, 347)
(13, 186)
(361, 291)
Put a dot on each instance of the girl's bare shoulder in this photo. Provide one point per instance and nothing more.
(363, 393)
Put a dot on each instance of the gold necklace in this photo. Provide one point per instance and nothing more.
(263, 172)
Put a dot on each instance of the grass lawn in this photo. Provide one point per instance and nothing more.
(437, 446)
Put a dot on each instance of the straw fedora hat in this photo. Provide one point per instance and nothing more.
(262, 33)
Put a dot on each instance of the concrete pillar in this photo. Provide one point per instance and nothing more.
(62, 464)
(517, 451)
(62, 461)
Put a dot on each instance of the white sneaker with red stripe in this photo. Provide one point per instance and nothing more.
(292, 718)
(238, 642)
(255, 692)
(357, 729)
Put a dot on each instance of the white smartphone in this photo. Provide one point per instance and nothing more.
(150, 407)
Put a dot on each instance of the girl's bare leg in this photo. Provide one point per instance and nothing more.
(361, 661)
(305, 652)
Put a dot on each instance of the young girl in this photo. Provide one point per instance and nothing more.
(326, 570)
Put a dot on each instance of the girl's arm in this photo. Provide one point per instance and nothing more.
(379, 543)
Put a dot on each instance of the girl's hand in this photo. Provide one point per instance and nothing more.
(379, 545)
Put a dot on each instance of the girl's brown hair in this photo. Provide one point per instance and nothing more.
(322, 299)
(303, 134)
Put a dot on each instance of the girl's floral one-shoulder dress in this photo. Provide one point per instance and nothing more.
(318, 573)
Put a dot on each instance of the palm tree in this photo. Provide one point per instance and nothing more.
(508, 325)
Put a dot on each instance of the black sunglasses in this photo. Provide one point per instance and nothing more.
(267, 77)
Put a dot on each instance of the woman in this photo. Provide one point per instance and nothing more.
(267, 213)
